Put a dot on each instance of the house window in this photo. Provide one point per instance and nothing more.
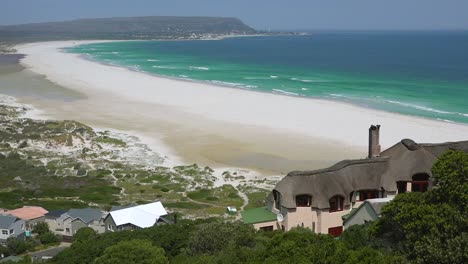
(367, 194)
(335, 231)
(4, 232)
(12, 231)
(22, 226)
(303, 200)
(420, 182)
(401, 186)
(266, 228)
(277, 197)
(336, 203)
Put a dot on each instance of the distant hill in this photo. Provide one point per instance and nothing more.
(154, 27)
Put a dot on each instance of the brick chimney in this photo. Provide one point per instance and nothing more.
(374, 144)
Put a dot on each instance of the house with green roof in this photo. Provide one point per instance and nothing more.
(261, 218)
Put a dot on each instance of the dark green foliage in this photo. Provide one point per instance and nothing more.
(41, 228)
(211, 238)
(135, 251)
(48, 238)
(431, 227)
(19, 246)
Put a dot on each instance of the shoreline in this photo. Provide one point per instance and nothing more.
(334, 130)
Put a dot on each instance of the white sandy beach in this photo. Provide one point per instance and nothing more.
(198, 119)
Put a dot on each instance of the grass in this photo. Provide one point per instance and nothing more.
(186, 205)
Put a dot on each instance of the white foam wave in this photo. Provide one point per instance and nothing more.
(304, 89)
(273, 76)
(164, 67)
(183, 76)
(228, 83)
(199, 68)
(424, 108)
(256, 78)
(285, 92)
(151, 60)
(115, 52)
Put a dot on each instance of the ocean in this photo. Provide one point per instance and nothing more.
(421, 74)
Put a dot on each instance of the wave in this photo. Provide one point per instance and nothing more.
(304, 89)
(233, 84)
(285, 92)
(273, 76)
(164, 67)
(256, 78)
(199, 68)
(424, 108)
(307, 80)
(153, 60)
(115, 52)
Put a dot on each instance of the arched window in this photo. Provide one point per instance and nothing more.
(336, 203)
(420, 182)
(277, 197)
(303, 200)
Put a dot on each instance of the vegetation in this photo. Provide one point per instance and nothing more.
(66, 164)
(414, 228)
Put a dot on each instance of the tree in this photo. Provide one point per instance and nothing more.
(431, 227)
(211, 238)
(41, 228)
(450, 174)
(84, 234)
(133, 251)
(48, 238)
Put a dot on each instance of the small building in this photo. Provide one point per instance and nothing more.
(136, 217)
(368, 211)
(30, 214)
(11, 226)
(261, 218)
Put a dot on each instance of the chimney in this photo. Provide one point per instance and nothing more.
(374, 145)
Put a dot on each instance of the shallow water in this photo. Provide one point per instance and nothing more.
(420, 73)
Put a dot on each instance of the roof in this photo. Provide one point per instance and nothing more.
(257, 215)
(145, 215)
(28, 212)
(55, 213)
(12, 259)
(378, 203)
(6, 221)
(374, 205)
(87, 215)
(398, 163)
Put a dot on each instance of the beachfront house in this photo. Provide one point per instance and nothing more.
(319, 199)
(11, 226)
(135, 217)
(67, 223)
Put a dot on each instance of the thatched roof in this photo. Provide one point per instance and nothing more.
(398, 163)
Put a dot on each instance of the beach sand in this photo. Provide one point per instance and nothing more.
(193, 122)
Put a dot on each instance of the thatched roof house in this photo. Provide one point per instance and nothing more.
(318, 199)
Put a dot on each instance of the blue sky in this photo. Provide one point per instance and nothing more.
(260, 14)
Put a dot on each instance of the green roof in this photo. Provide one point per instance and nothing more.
(257, 215)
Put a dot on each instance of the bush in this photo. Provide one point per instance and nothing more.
(48, 238)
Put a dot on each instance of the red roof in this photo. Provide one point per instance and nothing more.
(28, 212)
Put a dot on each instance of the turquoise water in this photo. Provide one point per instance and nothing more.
(421, 74)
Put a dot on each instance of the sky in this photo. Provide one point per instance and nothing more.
(260, 14)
